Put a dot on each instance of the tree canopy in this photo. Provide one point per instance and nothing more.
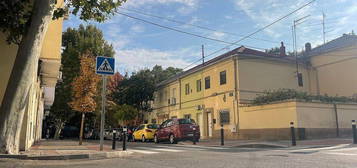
(15, 15)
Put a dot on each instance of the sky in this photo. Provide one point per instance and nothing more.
(139, 45)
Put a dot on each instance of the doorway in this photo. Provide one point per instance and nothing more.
(209, 124)
(200, 123)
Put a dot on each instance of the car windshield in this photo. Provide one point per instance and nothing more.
(152, 126)
(186, 121)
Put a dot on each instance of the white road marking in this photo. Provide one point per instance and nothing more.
(323, 148)
(143, 151)
(161, 149)
(345, 154)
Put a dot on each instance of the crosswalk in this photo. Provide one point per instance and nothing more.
(342, 149)
(173, 149)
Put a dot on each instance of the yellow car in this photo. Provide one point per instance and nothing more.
(145, 132)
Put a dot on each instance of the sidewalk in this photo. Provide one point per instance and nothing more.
(67, 149)
(271, 144)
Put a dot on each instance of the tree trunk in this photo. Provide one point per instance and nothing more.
(59, 126)
(17, 92)
(81, 131)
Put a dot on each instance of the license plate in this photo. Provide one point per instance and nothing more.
(189, 134)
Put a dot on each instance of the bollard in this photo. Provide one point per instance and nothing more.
(114, 139)
(124, 138)
(293, 138)
(194, 136)
(222, 135)
(354, 132)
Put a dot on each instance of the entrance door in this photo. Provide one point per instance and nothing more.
(200, 123)
(210, 124)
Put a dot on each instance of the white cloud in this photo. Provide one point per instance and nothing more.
(137, 29)
(140, 58)
(187, 5)
(217, 35)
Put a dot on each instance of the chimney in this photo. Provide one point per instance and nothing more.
(282, 50)
(307, 47)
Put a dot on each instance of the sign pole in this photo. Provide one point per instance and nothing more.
(102, 121)
(104, 66)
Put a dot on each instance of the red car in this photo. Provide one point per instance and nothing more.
(175, 130)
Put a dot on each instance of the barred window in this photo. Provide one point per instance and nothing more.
(224, 116)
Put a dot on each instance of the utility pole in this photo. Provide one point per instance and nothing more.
(323, 27)
(295, 23)
(203, 54)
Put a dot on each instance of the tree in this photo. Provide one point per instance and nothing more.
(84, 89)
(138, 89)
(75, 43)
(26, 22)
(125, 113)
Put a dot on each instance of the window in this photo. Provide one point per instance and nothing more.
(198, 84)
(187, 116)
(224, 116)
(207, 82)
(186, 121)
(187, 88)
(222, 78)
(152, 126)
(168, 101)
(300, 81)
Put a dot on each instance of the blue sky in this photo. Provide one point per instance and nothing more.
(140, 45)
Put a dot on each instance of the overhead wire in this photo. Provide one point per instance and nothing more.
(197, 26)
(181, 31)
(261, 29)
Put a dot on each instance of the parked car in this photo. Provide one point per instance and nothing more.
(174, 130)
(145, 132)
(108, 133)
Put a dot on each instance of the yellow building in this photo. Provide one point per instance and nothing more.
(215, 93)
(44, 80)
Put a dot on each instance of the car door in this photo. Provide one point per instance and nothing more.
(137, 134)
(161, 132)
(167, 129)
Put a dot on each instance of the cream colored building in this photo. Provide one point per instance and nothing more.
(44, 79)
(237, 77)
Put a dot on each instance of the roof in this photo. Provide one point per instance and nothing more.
(240, 51)
(345, 40)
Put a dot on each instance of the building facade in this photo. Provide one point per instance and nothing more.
(217, 92)
(45, 73)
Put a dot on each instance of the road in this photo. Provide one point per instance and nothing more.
(181, 156)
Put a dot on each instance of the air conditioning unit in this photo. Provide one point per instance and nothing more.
(199, 107)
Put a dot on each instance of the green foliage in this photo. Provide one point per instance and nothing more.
(76, 42)
(138, 89)
(286, 94)
(275, 50)
(125, 112)
(15, 15)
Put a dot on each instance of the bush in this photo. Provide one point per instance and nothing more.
(286, 94)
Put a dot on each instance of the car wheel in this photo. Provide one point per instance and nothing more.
(143, 139)
(172, 139)
(156, 139)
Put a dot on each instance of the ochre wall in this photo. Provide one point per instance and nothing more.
(7, 59)
(257, 75)
(337, 71)
(277, 115)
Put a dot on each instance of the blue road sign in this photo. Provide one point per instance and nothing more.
(105, 65)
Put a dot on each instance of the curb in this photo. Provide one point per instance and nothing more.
(92, 156)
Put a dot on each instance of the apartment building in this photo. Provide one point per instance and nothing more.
(216, 92)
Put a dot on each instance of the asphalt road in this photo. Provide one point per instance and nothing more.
(148, 155)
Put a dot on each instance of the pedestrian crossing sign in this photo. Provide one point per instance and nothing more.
(105, 65)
